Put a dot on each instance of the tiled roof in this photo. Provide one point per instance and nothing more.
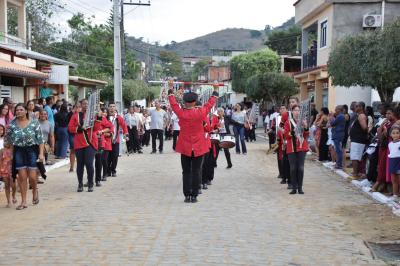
(14, 69)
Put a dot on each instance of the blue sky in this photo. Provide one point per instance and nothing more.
(179, 20)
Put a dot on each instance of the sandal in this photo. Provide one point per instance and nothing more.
(36, 201)
(21, 207)
(14, 201)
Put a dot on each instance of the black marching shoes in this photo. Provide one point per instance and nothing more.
(294, 191)
(80, 187)
(194, 199)
(187, 199)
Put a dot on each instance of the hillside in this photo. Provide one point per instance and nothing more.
(233, 38)
(245, 39)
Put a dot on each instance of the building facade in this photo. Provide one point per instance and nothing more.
(324, 23)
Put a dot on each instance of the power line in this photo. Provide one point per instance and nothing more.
(89, 7)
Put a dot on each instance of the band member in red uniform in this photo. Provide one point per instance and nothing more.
(296, 149)
(107, 144)
(106, 128)
(207, 171)
(192, 143)
(220, 127)
(85, 145)
(119, 124)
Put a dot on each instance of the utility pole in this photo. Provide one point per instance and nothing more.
(117, 58)
(123, 44)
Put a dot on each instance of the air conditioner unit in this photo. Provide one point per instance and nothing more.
(372, 21)
(5, 92)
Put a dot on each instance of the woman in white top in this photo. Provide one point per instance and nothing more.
(238, 121)
(146, 125)
(176, 129)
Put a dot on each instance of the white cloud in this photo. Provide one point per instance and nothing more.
(180, 20)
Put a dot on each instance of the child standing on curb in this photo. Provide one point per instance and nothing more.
(5, 168)
(394, 159)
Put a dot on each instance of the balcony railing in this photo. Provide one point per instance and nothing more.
(309, 60)
(11, 40)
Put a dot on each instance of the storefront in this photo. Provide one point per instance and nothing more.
(15, 78)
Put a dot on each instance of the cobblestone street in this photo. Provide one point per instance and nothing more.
(139, 218)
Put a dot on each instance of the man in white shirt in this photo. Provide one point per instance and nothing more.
(133, 122)
(157, 124)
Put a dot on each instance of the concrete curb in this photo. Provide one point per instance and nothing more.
(57, 165)
(365, 186)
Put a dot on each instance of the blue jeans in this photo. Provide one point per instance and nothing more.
(239, 136)
(26, 157)
(339, 152)
(62, 142)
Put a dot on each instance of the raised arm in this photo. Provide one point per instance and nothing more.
(174, 105)
(211, 102)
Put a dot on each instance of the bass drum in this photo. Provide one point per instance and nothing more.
(227, 142)
(215, 138)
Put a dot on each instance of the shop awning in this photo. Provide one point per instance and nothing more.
(13, 69)
(85, 82)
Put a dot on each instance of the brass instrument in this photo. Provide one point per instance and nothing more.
(305, 114)
(93, 107)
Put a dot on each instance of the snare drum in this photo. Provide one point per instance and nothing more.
(215, 138)
(227, 142)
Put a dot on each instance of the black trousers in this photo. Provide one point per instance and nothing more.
(227, 156)
(146, 138)
(191, 174)
(134, 140)
(323, 148)
(286, 168)
(175, 136)
(101, 165)
(296, 161)
(85, 159)
(280, 165)
(372, 173)
(168, 134)
(271, 138)
(157, 133)
(252, 133)
(113, 159)
(208, 167)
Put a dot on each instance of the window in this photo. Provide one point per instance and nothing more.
(324, 32)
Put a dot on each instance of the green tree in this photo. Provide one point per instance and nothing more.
(246, 65)
(39, 13)
(284, 41)
(271, 86)
(171, 63)
(369, 59)
(199, 69)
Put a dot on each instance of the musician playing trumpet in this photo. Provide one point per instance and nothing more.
(296, 133)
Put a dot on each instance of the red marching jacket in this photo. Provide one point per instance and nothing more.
(107, 140)
(87, 137)
(214, 122)
(207, 131)
(121, 125)
(292, 142)
(192, 139)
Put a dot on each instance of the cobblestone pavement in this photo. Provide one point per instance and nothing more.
(139, 218)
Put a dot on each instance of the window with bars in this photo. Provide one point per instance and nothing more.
(324, 33)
